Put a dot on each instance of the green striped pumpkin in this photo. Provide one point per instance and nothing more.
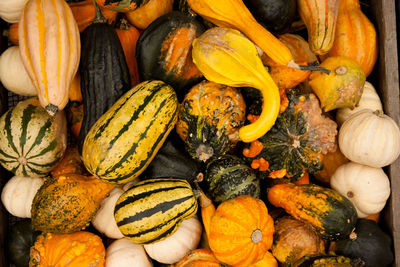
(31, 141)
(124, 140)
(153, 209)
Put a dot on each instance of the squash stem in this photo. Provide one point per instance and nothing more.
(294, 65)
(98, 18)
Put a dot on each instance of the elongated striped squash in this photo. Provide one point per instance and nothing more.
(31, 141)
(124, 140)
(49, 44)
(331, 214)
(153, 209)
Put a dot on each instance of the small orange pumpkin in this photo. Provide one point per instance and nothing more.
(75, 93)
(199, 258)
(142, 17)
(267, 261)
(70, 163)
(240, 230)
(79, 249)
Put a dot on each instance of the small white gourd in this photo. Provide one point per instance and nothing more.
(370, 138)
(104, 220)
(369, 100)
(13, 75)
(18, 194)
(368, 188)
(11, 10)
(173, 248)
(125, 253)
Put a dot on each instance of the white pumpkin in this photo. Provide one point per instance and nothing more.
(125, 253)
(104, 220)
(369, 100)
(18, 193)
(368, 188)
(11, 10)
(173, 248)
(370, 138)
(13, 75)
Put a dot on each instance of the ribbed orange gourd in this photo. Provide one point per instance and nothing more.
(239, 231)
(49, 44)
(79, 249)
(320, 17)
(355, 36)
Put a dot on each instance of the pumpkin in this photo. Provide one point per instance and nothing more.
(13, 74)
(70, 163)
(370, 138)
(144, 15)
(18, 193)
(369, 243)
(239, 231)
(11, 10)
(84, 13)
(19, 239)
(77, 249)
(320, 19)
(360, 45)
(164, 51)
(296, 143)
(125, 253)
(199, 258)
(31, 141)
(103, 220)
(294, 239)
(75, 94)
(226, 57)
(331, 214)
(67, 203)
(267, 261)
(227, 177)
(13, 33)
(50, 60)
(369, 100)
(283, 76)
(128, 36)
(176, 246)
(343, 87)
(209, 119)
(331, 161)
(368, 188)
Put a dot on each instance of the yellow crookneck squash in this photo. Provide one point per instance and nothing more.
(227, 57)
(49, 45)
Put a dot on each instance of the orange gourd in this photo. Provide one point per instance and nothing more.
(142, 17)
(267, 261)
(199, 258)
(239, 231)
(13, 33)
(84, 13)
(128, 36)
(75, 93)
(355, 36)
(70, 163)
(79, 249)
(49, 44)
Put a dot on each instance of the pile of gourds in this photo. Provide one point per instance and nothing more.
(194, 133)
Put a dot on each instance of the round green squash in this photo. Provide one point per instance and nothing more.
(164, 51)
(227, 177)
(31, 141)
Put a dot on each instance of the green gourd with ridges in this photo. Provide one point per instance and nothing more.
(153, 209)
(122, 143)
(31, 141)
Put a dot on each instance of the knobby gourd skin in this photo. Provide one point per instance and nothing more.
(227, 57)
(121, 5)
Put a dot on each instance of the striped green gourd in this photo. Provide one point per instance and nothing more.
(124, 140)
(153, 209)
(31, 141)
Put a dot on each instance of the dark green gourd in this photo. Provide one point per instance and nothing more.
(104, 72)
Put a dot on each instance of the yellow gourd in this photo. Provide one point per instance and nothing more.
(227, 57)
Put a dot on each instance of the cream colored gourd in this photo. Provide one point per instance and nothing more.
(368, 188)
(370, 138)
(49, 43)
(369, 100)
(175, 247)
(11, 10)
(18, 193)
(13, 74)
(104, 220)
(125, 253)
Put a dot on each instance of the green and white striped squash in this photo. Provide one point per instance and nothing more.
(153, 209)
(31, 141)
(124, 140)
